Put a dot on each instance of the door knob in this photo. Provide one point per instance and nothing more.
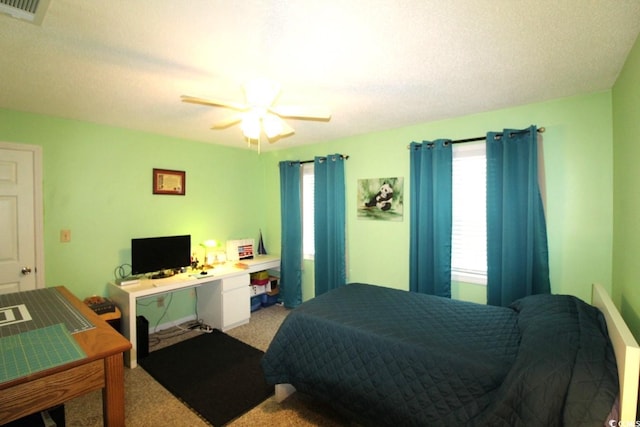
(25, 270)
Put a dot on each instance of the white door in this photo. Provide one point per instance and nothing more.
(21, 260)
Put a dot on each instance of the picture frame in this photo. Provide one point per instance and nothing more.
(381, 199)
(166, 181)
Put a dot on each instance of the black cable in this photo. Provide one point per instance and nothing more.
(120, 272)
(166, 309)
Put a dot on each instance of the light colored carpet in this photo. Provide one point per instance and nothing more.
(147, 403)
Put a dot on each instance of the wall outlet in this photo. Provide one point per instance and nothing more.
(160, 301)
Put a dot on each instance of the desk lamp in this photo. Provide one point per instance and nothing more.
(208, 258)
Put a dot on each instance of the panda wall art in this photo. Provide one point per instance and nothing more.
(380, 199)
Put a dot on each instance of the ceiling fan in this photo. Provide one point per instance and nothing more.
(258, 114)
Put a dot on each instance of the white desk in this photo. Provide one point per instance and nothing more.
(223, 296)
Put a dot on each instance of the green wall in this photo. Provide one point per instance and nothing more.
(626, 200)
(97, 183)
(578, 166)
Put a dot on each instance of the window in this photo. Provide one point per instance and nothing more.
(469, 231)
(308, 234)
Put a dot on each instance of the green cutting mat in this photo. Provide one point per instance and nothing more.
(37, 350)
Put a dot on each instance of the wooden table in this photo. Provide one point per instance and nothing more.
(103, 368)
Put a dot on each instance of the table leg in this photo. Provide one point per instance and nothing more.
(113, 391)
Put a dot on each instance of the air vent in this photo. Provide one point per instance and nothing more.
(28, 10)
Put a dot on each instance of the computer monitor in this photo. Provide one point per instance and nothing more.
(160, 254)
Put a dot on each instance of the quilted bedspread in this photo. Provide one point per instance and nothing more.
(390, 357)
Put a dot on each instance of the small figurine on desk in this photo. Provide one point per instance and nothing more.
(261, 249)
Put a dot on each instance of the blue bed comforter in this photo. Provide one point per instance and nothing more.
(391, 357)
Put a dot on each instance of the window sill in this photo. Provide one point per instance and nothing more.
(465, 277)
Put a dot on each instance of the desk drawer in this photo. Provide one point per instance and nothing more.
(51, 390)
(235, 282)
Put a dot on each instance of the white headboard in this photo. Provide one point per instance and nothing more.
(627, 354)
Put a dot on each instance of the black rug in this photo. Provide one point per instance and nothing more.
(216, 375)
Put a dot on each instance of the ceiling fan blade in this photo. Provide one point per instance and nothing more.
(302, 112)
(272, 125)
(229, 121)
(286, 130)
(215, 103)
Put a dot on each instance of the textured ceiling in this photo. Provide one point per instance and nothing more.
(376, 64)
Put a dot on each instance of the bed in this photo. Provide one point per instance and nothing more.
(384, 356)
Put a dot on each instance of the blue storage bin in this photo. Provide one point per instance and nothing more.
(256, 302)
(269, 300)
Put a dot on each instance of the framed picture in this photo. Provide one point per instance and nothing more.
(381, 199)
(169, 182)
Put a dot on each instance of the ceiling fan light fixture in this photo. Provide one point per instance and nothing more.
(250, 125)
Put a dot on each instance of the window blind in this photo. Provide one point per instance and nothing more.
(308, 195)
(469, 232)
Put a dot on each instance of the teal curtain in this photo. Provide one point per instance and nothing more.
(329, 220)
(517, 254)
(291, 240)
(430, 216)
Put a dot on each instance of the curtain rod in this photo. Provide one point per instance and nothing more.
(483, 138)
(323, 158)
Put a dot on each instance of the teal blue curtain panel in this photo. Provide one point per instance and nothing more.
(430, 216)
(517, 253)
(329, 223)
(291, 240)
